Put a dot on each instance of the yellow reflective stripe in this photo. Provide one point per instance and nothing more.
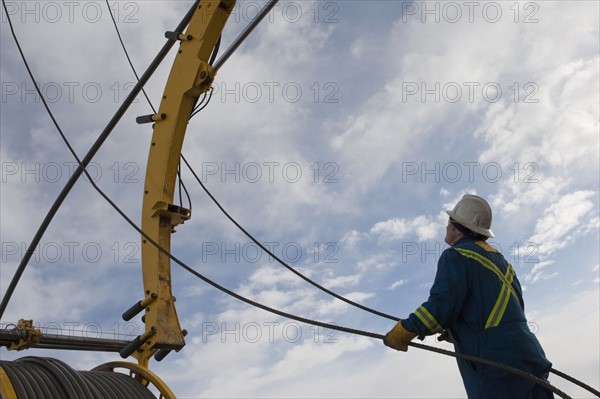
(488, 264)
(487, 247)
(502, 301)
(506, 279)
(430, 322)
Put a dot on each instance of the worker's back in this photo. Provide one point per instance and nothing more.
(491, 324)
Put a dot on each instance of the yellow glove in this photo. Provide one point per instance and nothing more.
(399, 337)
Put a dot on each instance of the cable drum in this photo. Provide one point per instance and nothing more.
(41, 378)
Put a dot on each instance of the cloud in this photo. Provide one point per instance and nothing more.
(513, 199)
(596, 279)
(563, 221)
(424, 227)
(580, 309)
(397, 284)
(351, 239)
(377, 261)
(336, 307)
(342, 281)
(539, 141)
(537, 271)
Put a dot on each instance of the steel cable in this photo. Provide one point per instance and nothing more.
(284, 264)
(127, 55)
(538, 380)
(39, 378)
(90, 154)
(181, 184)
(302, 319)
(575, 381)
(200, 108)
(313, 322)
(251, 302)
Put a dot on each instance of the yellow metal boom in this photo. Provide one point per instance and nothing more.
(190, 77)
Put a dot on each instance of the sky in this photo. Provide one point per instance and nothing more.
(337, 134)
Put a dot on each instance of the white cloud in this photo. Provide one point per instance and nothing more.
(342, 281)
(358, 48)
(515, 198)
(269, 276)
(397, 284)
(378, 261)
(559, 225)
(537, 271)
(596, 279)
(580, 309)
(351, 239)
(424, 227)
(336, 307)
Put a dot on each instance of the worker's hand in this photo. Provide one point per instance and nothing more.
(399, 337)
(446, 335)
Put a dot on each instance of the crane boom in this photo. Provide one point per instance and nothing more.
(190, 77)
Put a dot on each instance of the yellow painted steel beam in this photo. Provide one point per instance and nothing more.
(190, 77)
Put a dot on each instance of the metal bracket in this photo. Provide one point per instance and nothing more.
(176, 214)
(30, 336)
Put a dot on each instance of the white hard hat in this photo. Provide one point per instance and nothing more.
(474, 213)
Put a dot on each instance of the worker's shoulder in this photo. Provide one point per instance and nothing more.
(469, 250)
(451, 254)
(474, 246)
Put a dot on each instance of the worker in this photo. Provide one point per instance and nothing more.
(476, 303)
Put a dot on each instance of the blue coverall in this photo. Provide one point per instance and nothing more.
(477, 297)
